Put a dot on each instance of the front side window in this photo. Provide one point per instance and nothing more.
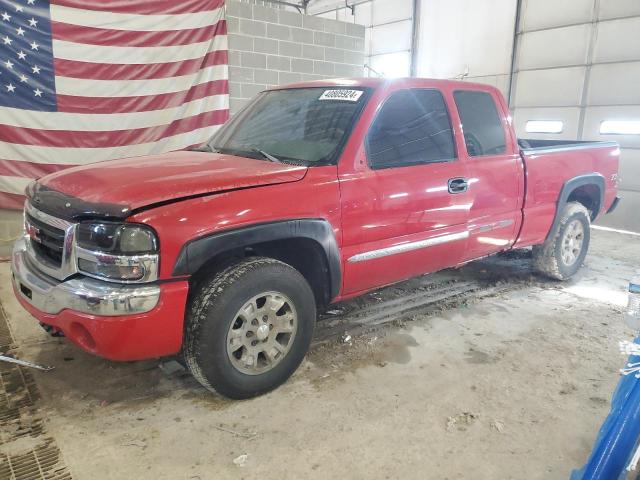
(298, 125)
(483, 131)
(412, 128)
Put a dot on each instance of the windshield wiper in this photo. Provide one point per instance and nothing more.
(266, 155)
(201, 148)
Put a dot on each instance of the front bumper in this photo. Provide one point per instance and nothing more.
(82, 294)
(115, 321)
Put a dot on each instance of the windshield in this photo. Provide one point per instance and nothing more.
(298, 125)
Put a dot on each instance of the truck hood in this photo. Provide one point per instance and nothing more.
(115, 188)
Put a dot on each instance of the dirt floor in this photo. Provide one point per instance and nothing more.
(487, 372)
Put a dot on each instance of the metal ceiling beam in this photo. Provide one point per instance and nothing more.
(301, 7)
(415, 38)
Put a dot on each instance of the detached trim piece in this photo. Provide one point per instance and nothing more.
(198, 252)
(567, 147)
(614, 205)
(408, 247)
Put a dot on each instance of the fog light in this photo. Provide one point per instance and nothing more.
(111, 271)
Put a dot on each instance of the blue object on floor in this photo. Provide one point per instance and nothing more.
(618, 437)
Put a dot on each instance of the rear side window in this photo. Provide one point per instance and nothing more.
(483, 131)
(411, 128)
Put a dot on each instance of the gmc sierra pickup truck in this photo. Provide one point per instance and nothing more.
(313, 193)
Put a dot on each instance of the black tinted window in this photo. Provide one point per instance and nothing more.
(412, 127)
(483, 131)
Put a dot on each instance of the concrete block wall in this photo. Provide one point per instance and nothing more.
(273, 46)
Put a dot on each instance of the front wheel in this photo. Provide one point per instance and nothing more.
(249, 327)
(563, 253)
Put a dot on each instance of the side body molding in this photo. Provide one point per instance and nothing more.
(197, 252)
(569, 186)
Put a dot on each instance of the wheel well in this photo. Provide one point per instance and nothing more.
(303, 254)
(589, 196)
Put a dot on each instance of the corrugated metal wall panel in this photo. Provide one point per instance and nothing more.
(557, 47)
(618, 8)
(569, 117)
(630, 169)
(391, 37)
(458, 36)
(556, 87)
(595, 115)
(614, 84)
(538, 14)
(618, 40)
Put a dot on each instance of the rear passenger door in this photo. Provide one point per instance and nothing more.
(406, 213)
(496, 177)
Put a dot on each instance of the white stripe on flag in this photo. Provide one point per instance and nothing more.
(90, 122)
(130, 21)
(131, 88)
(13, 184)
(81, 52)
(83, 156)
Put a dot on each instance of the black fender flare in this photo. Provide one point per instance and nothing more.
(195, 253)
(568, 188)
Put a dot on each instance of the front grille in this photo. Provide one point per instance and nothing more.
(47, 241)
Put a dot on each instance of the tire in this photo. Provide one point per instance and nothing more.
(560, 257)
(233, 315)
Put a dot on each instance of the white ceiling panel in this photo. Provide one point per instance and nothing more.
(618, 40)
(554, 48)
(595, 115)
(615, 84)
(538, 14)
(557, 87)
(568, 116)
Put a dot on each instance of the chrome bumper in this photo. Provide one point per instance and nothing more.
(82, 294)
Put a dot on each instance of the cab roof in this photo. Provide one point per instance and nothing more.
(373, 82)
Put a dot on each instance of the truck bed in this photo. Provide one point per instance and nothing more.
(548, 164)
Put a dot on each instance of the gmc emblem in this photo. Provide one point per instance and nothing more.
(34, 233)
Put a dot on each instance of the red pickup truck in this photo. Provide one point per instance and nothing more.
(312, 194)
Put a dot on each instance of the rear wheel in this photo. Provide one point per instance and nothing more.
(563, 253)
(249, 327)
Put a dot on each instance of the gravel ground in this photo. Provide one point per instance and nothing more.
(485, 372)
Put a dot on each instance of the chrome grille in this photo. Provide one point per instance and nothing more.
(50, 245)
(47, 241)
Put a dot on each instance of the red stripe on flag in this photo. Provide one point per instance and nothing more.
(148, 7)
(110, 138)
(11, 201)
(19, 168)
(143, 103)
(131, 38)
(101, 71)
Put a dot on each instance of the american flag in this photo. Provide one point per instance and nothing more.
(89, 80)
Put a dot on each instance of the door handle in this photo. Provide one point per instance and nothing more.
(457, 185)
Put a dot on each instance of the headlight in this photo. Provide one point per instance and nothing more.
(117, 251)
(117, 238)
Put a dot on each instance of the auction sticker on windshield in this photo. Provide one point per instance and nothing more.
(349, 95)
